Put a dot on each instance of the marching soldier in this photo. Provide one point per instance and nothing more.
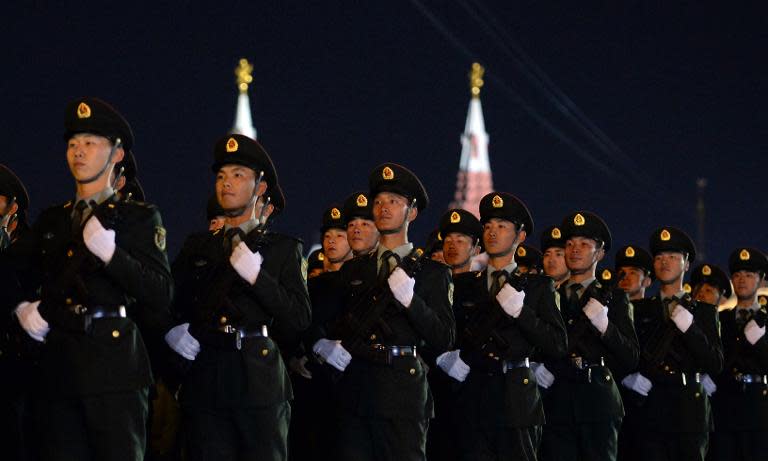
(390, 310)
(582, 402)
(553, 256)
(679, 341)
(98, 264)
(636, 267)
(710, 284)
(461, 233)
(504, 316)
(238, 288)
(528, 259)
(335, 245)
(362, 234)
(434, 246)
(740, 405)
(315, 263)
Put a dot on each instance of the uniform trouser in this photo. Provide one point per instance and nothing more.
(673, 446)
(500, 443)
(95, 428)
(381, 439)
(739, 446)
(237, 434)
(592, 441)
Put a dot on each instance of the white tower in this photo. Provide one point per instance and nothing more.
(243, 119)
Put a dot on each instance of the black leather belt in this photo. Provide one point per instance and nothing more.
(99, 312)
(511, 364)
(242, 333)
(383, 353)
(582, 364)
(746, 378)
(675, 378)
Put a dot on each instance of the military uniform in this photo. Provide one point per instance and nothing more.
(740, 404)
(583, 405)
(675, 416)
(235, 394)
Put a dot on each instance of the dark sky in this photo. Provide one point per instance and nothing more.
(678, 93)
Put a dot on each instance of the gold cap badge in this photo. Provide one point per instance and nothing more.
(744, 255)
(320, 257)
(232, 145)
(687, 287)
(455, 218)
(497, 202)
(665, 235)
(556, 233)
(521, 252)
(387, 173)
(606, 275)
(762, 300)
(706, 270)
(440, 236)
(579, 220)
(629, 252)
(335, 213)
(362, 201)
(83, 110)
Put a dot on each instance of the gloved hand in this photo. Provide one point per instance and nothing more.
(753, 332)
(450, 362)
(100, 241)
(31, 320)
(682, 318)
(544, 377)
(401, 286)
(297, 365)
(246, 263)
(709, 386)
(179, 339)
(637, 383)
(332, 353)
(511, 300)
(597, 314)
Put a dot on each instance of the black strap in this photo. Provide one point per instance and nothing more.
(499, 279)
(77, 219)
(229, 236)
(384, 267)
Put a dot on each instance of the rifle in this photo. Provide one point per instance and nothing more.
(484, 325)
(661, 341)
(358, 323)
(604, 295)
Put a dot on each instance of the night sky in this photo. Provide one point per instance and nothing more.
(612, 108)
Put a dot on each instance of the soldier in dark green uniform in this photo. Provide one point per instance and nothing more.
(504, 317)
(710, 284)
(238, 289)
(636, 266)
(553, 256)
(740, 405)
(679, 341)
(362, 234)
(528, 259)
(335, 245)
(315, 263)
(386, 403)
(98, 263)
(582, 402)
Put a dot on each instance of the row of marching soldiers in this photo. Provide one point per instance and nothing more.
(387, 355)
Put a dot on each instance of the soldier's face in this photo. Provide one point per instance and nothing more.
(235, 186)
(216, 223)
(746, 283)
(669, 266)
(362, 235)
(634, 280)
(500, 236)
(335, 245)
(708, 294)
(582, 254)
(390, 211)
(88, 153)
(458, 248)
(554, 263)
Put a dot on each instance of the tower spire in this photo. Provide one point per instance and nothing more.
(243, 119)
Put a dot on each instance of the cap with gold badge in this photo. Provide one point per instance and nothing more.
(358, 205)
(528, 257)
(11, 187)
(747, 259)
(434, 242)
(634, 256)
(236, 149)
(672, 239)
(552, 237)
(711, 275)
(586, 224)
(391, 177)
(92, 115)
(315, 260)
(506, 206)
(461, 221)
(333, 218)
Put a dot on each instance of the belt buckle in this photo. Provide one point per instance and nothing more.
(682, 376)
(79, 309)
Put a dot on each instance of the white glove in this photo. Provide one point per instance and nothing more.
(638, 383)
(682, 318)
(753, 332)
(31, 320)
(450, 362)
(297, 365)
(511, 300)
(597, 314)
(100, 241)
(182, 342)
(401, 286)
(333, 353)
(544, 377)
(246, 262)
(709, 386)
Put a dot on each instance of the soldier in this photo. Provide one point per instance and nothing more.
(335, 246)
(362, 234)
(504, 317)
(679, 341)
(461, 233)
(238, 288)
(636, 267)
(553, 258)
(528, 259)
(14, 203)
(315, 263)
(98, 264)
(387, 316)
(740, 405)
(434, 246)
(582, 402)
(710, 284)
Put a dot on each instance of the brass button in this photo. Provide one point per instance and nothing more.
(265, 352)
(666, 367)
(573, 354)
(765, 392)
(570, 322)
(115, 334)
(490, 354)
(70, 253)
(608, 377)
(412, 371)
(525, 381)
(373, 337)
(698, 395)
(68, 300)
(223, 320)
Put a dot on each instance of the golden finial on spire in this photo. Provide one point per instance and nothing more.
(243, 74)
(476, 79)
